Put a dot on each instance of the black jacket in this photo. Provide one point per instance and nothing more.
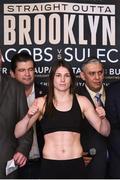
(113, 115)
(13, 107)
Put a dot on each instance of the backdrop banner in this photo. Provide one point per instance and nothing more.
(70, 30)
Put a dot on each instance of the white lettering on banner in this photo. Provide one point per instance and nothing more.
(42, 70)
(59, 55)
(40, 29)
(100, 53)
(59, 7)
(103, 54)
(70, 35)
(71, 54)
(54, 29)
(4, 70)
(114, 71)
(24, 30)
(9, 30)
(38, 53)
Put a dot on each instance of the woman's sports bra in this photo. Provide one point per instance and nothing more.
(63, 120)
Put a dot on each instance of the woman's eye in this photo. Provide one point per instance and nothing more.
(67, 75)
(57, 75)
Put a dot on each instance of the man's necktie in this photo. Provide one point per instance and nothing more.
(98, 99)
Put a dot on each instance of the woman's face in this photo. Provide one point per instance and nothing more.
(62, 79)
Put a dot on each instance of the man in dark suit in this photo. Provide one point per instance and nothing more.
(13, 107)
(23, 69)
(92, 73)
(113, 115)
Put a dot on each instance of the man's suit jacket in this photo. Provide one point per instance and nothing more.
(92, 139)
(113, 115)
(13, 107)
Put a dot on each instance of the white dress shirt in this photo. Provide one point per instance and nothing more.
(34, 152)
(93, 94)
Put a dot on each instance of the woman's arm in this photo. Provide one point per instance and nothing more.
(95, 117)
(30, 118)
(105, 125)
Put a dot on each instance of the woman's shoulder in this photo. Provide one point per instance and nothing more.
(83, 102)
(81, 98)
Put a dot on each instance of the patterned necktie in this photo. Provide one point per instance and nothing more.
(98, 99)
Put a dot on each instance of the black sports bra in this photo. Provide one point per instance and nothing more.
(63, 120)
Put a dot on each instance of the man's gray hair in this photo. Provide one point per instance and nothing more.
(89, 61)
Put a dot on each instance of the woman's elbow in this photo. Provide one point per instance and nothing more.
(16, 133)
(106, 132)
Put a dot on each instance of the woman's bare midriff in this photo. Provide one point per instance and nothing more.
(62, 145)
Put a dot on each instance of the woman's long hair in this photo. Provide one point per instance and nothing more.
(50, 96)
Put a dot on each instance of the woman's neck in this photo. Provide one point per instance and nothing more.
(62, 96)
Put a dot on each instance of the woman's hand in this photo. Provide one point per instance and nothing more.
(34, 109)
(101, 112)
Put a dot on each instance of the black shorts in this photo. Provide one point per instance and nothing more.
(62, 169)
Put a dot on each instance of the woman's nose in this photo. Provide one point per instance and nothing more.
(62, 78)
